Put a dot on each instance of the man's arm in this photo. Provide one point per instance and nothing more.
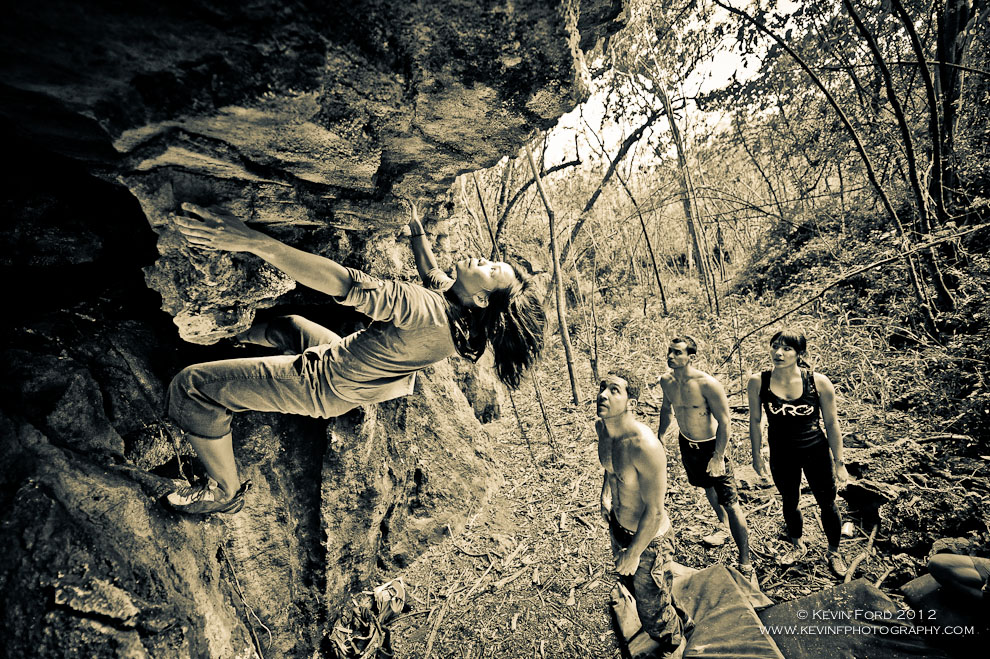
(650, 461)
(605, 502)
(718, 405)
(426, 262)
(605, 507)
(756, 422)
(666, 411)
(826, 398)
(230, 234)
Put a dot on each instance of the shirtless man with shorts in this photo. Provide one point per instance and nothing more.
(699, 403)
(632, 503)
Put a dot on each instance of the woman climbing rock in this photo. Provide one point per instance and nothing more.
(321, 374)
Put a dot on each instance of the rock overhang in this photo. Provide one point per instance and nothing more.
(298, 116)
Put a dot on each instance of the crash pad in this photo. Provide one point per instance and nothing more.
(634, 643)
(853, 619)
(720, 604)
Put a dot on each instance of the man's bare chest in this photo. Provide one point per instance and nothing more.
(687, 395)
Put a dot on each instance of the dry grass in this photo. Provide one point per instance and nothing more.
(530, 575)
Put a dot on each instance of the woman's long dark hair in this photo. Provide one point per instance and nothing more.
(513, 324)
(796, 339)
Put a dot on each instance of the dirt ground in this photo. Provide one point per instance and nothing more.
(530, 576)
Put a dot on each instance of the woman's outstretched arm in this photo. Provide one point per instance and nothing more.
(212, 230)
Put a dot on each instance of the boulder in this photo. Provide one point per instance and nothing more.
(313, 121)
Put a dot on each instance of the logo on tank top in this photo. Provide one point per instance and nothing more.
(788, 409)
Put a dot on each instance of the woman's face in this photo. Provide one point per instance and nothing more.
(782, 355)
(481, 275)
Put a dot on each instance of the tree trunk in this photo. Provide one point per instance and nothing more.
(935, 185)
(756, 163)
(949, 51)
(554, 450)
(484, 213)
(623, 150)
(916, 282)
(594, 310)
(686, 201)
(649, 245)
(943, 297)
(565, 337)
(503, 217)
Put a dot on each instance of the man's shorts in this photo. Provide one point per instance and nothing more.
(696, 456)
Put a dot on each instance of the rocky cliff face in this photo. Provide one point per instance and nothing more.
(312, 120)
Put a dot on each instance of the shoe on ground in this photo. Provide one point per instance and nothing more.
(677, 652)
(793, 555)
(836, 563)
(390, 599)
(716, 539)
(206, 498)
(750, 574)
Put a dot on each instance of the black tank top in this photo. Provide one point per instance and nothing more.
(793, 422)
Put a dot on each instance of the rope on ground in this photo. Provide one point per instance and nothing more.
(247, 607)
(178, 455)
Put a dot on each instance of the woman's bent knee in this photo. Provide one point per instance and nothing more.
(181, 385)
(193, 411)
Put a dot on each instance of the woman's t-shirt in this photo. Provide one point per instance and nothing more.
(410, 332)
(793, 423)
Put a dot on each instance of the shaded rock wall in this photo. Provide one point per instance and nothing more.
(292, 115)
(312, 120)
(93, 564)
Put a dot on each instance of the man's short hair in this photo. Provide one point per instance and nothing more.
(633, 383)
(689, 341)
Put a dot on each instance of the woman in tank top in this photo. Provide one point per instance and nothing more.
(794, 398)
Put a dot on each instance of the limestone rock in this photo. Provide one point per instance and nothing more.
(311, 114)
(311, 120)
(480, 387)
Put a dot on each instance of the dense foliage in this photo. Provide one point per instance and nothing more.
(850, 138)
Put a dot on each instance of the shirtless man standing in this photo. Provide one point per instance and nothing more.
(699, 403)
(632, 502)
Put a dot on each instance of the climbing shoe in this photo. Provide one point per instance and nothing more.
(795, 554)
(836, 563)
(205, 498)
